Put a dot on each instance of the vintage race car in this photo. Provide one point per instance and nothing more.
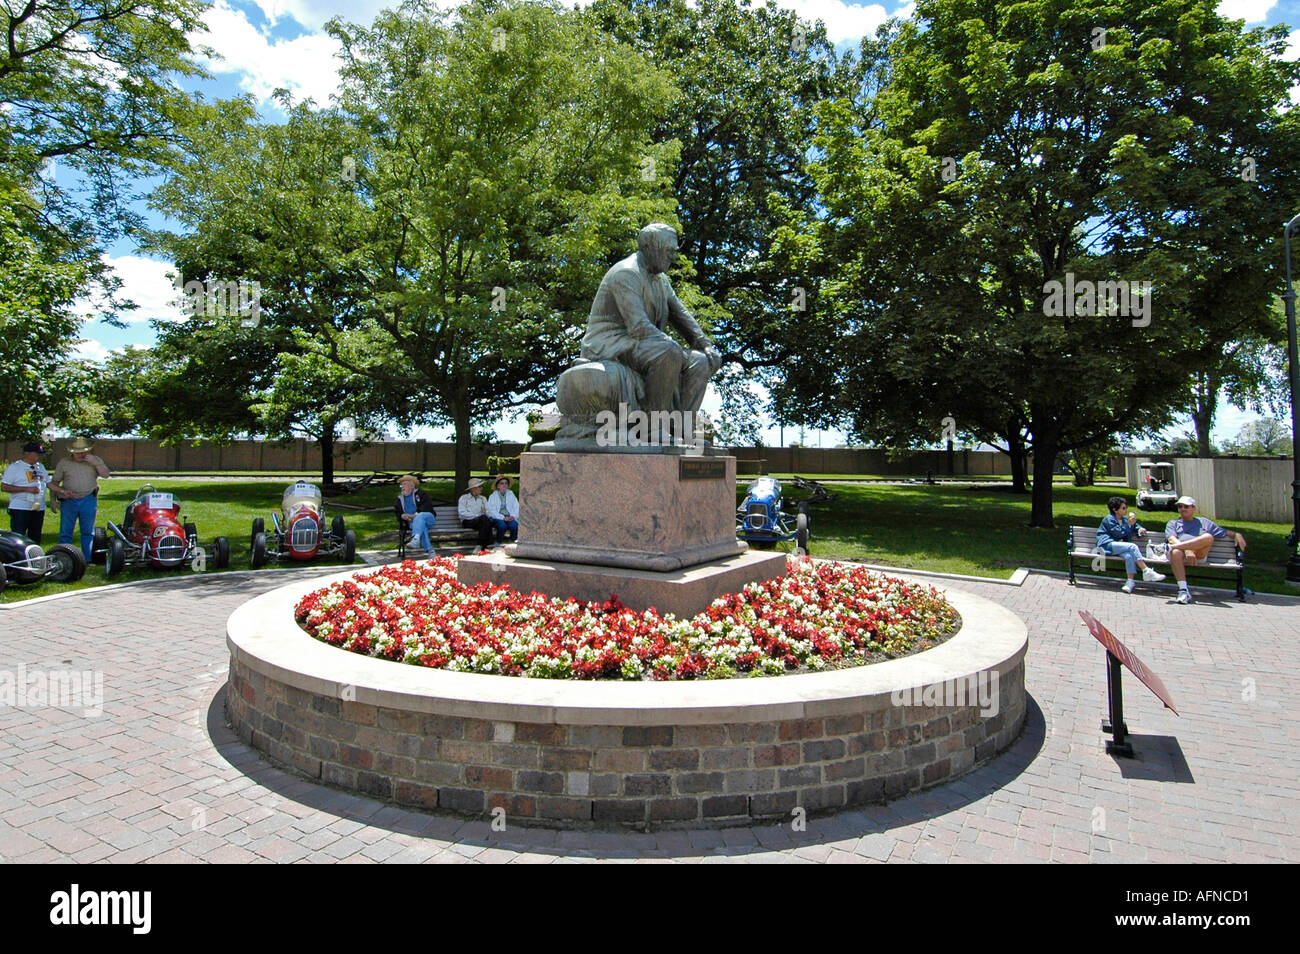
(762, 520)
(152, 534)
(23, 561)
(299, 530)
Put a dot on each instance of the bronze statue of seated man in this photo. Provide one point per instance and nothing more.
(628, 359)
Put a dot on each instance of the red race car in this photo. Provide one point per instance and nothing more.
(152, 534)
(299, 532)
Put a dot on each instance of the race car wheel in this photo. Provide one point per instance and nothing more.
(99, 546)
(191, 532)
(69, 563)
(221, 553)
(337, 528)
(116, 557)
(349, 546)
(258, 557)
(801, 534)
(259, 526)
(4, 578)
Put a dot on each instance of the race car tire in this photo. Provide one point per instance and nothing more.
(801, 534)
(259, 526)
(258, 557)
(116, 557)
(4, 578)
(99, 546)
(221, 553)
(337, 527)
(69, 561)
(349, 547)
(191, 533)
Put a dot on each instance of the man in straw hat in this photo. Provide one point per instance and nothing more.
(472, 508)
(76, 483)
(414, 508)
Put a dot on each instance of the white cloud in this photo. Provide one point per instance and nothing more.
(146, 282)
(313, 14)
(844, 21)
(1252, 11)
(307, 65)
(91, 350)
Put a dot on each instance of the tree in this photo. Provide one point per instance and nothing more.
(1262, 437)
(750, 76)
(87, 104)
(1014, 151)
(37, 321)
(312, 395)
(502, 174)
(1252, 372)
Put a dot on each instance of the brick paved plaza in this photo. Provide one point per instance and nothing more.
(158, 776)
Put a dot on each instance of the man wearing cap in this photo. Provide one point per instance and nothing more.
(415, 509)
(1190, 538)
(503, 511)
(473, 513)
(25, 481)
(76, 483)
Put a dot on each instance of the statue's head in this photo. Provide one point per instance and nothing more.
(657, 245)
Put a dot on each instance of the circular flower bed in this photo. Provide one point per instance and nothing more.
(818, 616)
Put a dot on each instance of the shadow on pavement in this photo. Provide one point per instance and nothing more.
(1156, 758)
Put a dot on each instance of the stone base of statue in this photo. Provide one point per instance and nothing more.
(684, 592)
(656, 529)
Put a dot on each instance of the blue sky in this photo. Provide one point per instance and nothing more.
(261, 45)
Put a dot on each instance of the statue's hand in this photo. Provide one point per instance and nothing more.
(715, 358)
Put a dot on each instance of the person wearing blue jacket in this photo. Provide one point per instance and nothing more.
(1115, 537)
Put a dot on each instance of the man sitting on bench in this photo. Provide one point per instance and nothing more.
(472, 508)
(415, 509)
(1190, 539)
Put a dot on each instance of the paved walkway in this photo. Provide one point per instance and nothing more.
(159, 777)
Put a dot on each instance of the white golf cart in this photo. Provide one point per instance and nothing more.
(1156, 490)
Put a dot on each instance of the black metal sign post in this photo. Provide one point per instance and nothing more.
(1114, 721)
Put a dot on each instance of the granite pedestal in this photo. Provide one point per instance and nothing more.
(655, 529)
(636, 511)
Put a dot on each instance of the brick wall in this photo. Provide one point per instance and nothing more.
(634, 776)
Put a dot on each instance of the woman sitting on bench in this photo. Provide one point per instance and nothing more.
(415, 510)
(1114, 537)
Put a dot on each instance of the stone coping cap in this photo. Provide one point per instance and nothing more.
(263, 635)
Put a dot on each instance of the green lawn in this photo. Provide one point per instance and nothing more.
(223, 508)
(980, 531)
(983, 531)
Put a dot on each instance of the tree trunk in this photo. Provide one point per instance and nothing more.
(1016, 450)
(326, 443)
(1203, 418)
(1204, 403)
(1045, 446)
(464, 446)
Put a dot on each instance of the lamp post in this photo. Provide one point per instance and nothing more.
(1293, 540)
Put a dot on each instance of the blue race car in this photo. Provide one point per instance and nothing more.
(761, 521)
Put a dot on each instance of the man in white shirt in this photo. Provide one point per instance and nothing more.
(25, 481)
(472, 508)
(503, 511)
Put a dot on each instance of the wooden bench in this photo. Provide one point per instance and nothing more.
(1224, 556)
(446, 530)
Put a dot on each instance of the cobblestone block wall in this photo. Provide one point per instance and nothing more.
(635, 776)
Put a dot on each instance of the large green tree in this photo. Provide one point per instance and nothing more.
(1017, 145)
(88, 101)
(750, 75)
(502, 172)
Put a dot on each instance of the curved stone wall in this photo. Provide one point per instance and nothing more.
(639, 754)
